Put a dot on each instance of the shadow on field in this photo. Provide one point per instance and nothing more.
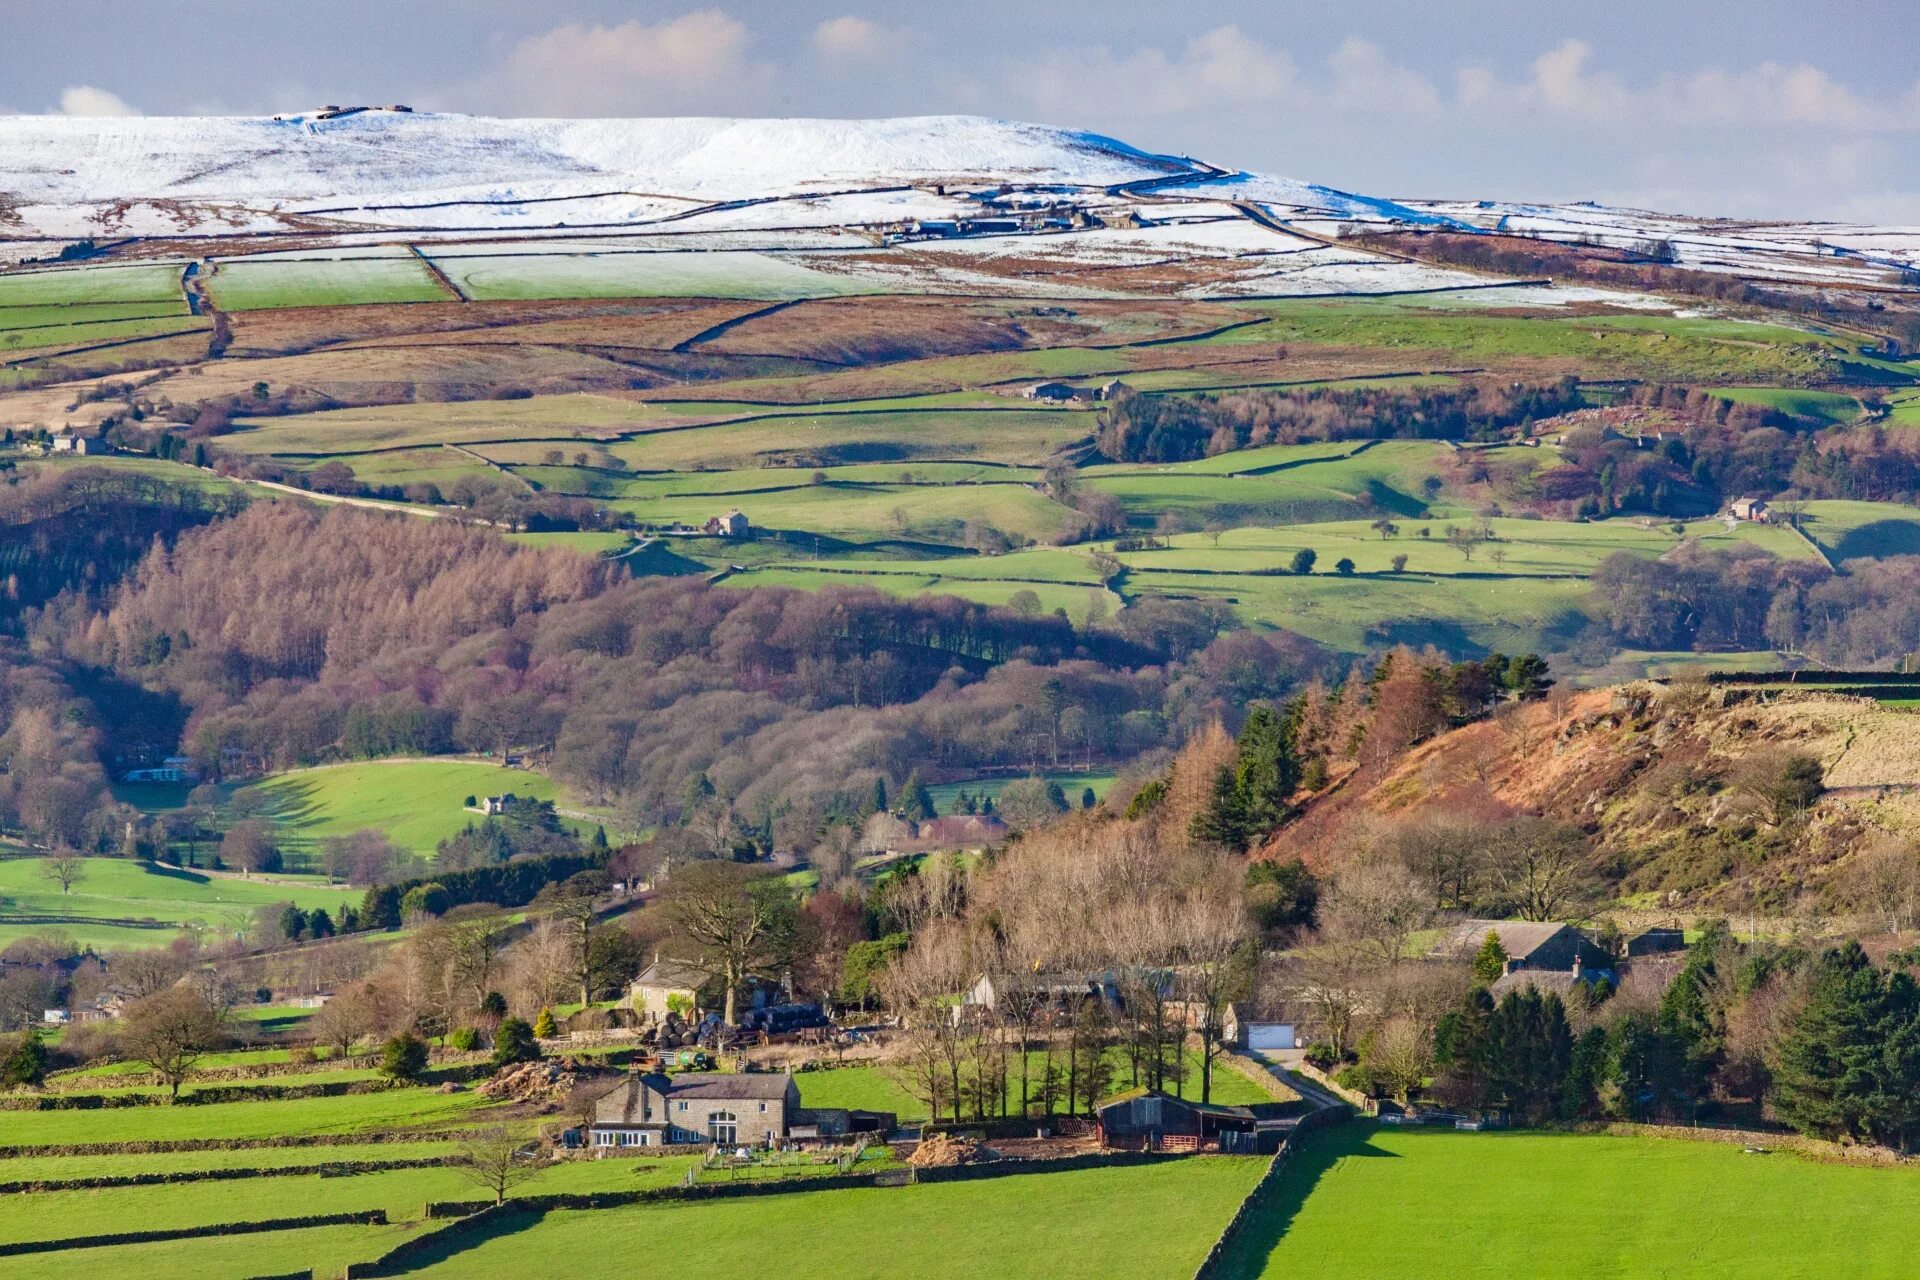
(175, 873)
(1270, 1215)
(455, 1243)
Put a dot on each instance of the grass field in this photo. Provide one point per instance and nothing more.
(1823, 406)
(867, 1088)
(517, 277)
(92, 285)
(117, 889)
(1099, 1224)
(350, 1113)
(417, 803)
(1391, 1203)
(1858, 530)
(1071, 783)
(322, 282)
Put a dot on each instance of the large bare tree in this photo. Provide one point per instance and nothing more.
(171, 1030)
(739, 918)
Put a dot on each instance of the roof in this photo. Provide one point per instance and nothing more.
(764, 1086)
(673, 973)
(1560, 982)
(1519, 938)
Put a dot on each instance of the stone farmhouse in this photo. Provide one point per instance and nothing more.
(718, 1109)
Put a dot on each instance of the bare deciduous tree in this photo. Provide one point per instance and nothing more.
(171, 1030)
(65, 868)
(495, 1161)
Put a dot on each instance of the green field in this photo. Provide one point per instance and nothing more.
(350, 1113)
(1071, 783)
(1859, 530)
(117, 889)
(514, 277)
(245, 285)
(73, 286)
(1098, 1224)
(878, 1089)
(1391, 1203)
(1823, 406)
(418, 803)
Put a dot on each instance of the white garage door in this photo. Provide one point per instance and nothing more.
(1269, 1035)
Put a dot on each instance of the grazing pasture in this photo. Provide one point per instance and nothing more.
(417, 803)
(1155, 1221)
(266, 284)
(118, 889)
(1360, 1200)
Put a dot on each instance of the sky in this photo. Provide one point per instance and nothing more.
(1742, 108)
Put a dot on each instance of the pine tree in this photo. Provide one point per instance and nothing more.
(1490, 962)
(915, 800)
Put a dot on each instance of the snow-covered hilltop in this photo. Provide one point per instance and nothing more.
(951, 196)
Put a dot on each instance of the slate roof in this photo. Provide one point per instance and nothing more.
(673, 973)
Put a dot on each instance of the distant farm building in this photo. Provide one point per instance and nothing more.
(1531, 944)
(1051, 392)
(1655, 942)
(1754, 509)
(77, 442)
(172, 769)
(731, 525)
(494, 806)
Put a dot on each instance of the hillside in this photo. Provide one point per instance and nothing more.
(1657, 774)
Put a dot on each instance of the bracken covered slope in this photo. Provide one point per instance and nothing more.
(1656, 774)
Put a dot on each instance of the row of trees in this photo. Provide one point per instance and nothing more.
(1745, 599)
(1137, 427)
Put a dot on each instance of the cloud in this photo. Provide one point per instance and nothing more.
(1561, 81)
(1364, 78)
(851, 39)
(699, 60)
(1221, 67)
(85, 100)
(1770, 94)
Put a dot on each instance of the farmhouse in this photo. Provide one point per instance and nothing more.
(1063, 991)
(667, 986)
(726, 1110)
(1753, 509)
(78, 443)
(731, 525)
(1531, 944)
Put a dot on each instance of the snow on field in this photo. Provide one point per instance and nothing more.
(939, 203)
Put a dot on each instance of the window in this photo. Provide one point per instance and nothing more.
(683, 1106)
(763, 1108)
(722, 1128)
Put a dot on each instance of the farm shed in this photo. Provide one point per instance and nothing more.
(1150, 1120)
(1657, 941)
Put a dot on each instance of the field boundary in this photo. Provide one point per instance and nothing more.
(336, 1169)
(1210, 1266)
(363, 1217)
